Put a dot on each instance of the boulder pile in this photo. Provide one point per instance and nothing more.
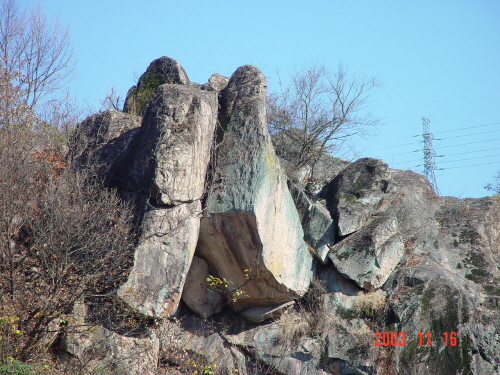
(244, 268)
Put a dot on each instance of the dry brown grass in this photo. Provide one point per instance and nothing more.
(370, 303)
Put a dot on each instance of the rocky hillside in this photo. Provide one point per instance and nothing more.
(243, 267)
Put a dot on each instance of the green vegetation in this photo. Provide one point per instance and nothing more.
(350, 198)
(347, 313)
(426, 299)
(491, 290)
(469, 236)
(10, 366)
(147, 85)
(478, 276)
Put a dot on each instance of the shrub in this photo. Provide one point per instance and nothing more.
(370, 303)
(10, 366)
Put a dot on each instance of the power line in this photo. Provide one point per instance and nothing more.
(479, 157)
(472, 152)
(470, 143)
(438, 156)
(409, 161)
(475, 165)
(468, 135)
(406, 144)
(469, 127)
(440, 132)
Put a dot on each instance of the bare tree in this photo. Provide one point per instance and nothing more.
(112, 100)
(495, 185)
(35, 52)
(62, 235)
(317, 112)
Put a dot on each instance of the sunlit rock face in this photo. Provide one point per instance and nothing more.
(212, 203)
(251, 234)
(168, 170)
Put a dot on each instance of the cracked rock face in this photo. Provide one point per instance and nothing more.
(252, 234)
(319, 228)
(162, 259)
(356, 193)
(200, 168)
(105, 139)
(173, 149)
(369, 256)
(168, 170)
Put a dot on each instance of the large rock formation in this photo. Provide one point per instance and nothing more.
(388, 254)
(168, 170)
(251, 233)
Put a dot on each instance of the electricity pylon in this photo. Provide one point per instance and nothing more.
(429, 154)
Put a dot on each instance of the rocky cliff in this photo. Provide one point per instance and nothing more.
(240, 268)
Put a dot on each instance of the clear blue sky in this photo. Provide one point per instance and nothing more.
(437, 59)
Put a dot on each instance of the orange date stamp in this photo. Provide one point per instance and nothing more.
(424, 339)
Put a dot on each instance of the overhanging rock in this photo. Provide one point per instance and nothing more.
(252, 235)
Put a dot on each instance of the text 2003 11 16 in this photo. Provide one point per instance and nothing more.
(424, 339)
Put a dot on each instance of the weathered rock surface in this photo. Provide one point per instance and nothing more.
(396, 257)
(197, 294)
(356, 193)
(173, 147)
(263, 342)
(169, 168)
(452, 286)
(216, 82)
(96, 349)
(261, 313)
(162, 259)
(160, 71)
(193, 346)
(252, 229)
(103, 140)
(343, 336)
(319, 228)
(105, 351)
(369, 256)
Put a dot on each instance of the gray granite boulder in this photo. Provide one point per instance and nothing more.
(160, 71)
(251, 234)
(103, 141)
(216, 82)
(173, 148)
(369, 256)
(356, 193)
(162, 259)
(96, 349)
(168, 171)
(197, 294)
(319, 228)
